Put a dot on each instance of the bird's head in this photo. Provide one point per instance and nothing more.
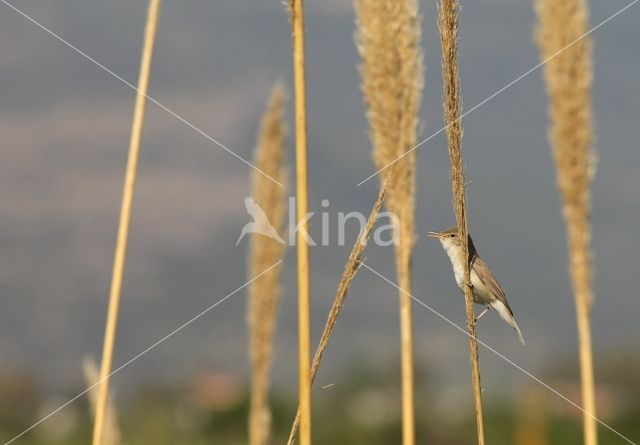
(449, 238)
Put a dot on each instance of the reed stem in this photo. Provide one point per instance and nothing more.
(448, 15)
(568, 75)
(125, 219)
(304, 318)
(111, 434)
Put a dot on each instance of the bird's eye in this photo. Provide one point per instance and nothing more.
(452, 236)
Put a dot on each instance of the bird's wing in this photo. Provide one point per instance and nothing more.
(489, 280)
(254, 209)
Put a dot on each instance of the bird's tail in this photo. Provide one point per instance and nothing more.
(506, 315)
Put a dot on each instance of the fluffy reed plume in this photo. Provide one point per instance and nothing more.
(448, 13)
(125, 218)
(350, 270)
(264, 293)
(111, 435)
(568, 76)
(296, 15)
(388, 38)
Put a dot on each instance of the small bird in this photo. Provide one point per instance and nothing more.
(486, 288)
(260, 223)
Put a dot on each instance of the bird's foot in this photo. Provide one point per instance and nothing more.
(481, 314)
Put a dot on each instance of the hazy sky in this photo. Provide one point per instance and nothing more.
(65, 124)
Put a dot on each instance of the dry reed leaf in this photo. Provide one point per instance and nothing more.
(350, 270)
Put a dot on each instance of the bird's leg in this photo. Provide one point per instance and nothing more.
(482, 313)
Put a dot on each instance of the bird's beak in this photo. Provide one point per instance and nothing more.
(435, 234)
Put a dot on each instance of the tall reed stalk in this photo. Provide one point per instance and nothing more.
(264, 293)
(388, 38)
(568, 77)
(296, 14)
(125, 218)
(111, 435)
(448, 13)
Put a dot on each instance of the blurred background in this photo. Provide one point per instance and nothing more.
(65, 126)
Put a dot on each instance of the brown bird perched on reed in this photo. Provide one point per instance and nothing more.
(486, 288)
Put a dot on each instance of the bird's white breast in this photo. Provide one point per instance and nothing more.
(454, 256)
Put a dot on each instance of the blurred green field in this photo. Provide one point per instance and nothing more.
(360, 408)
